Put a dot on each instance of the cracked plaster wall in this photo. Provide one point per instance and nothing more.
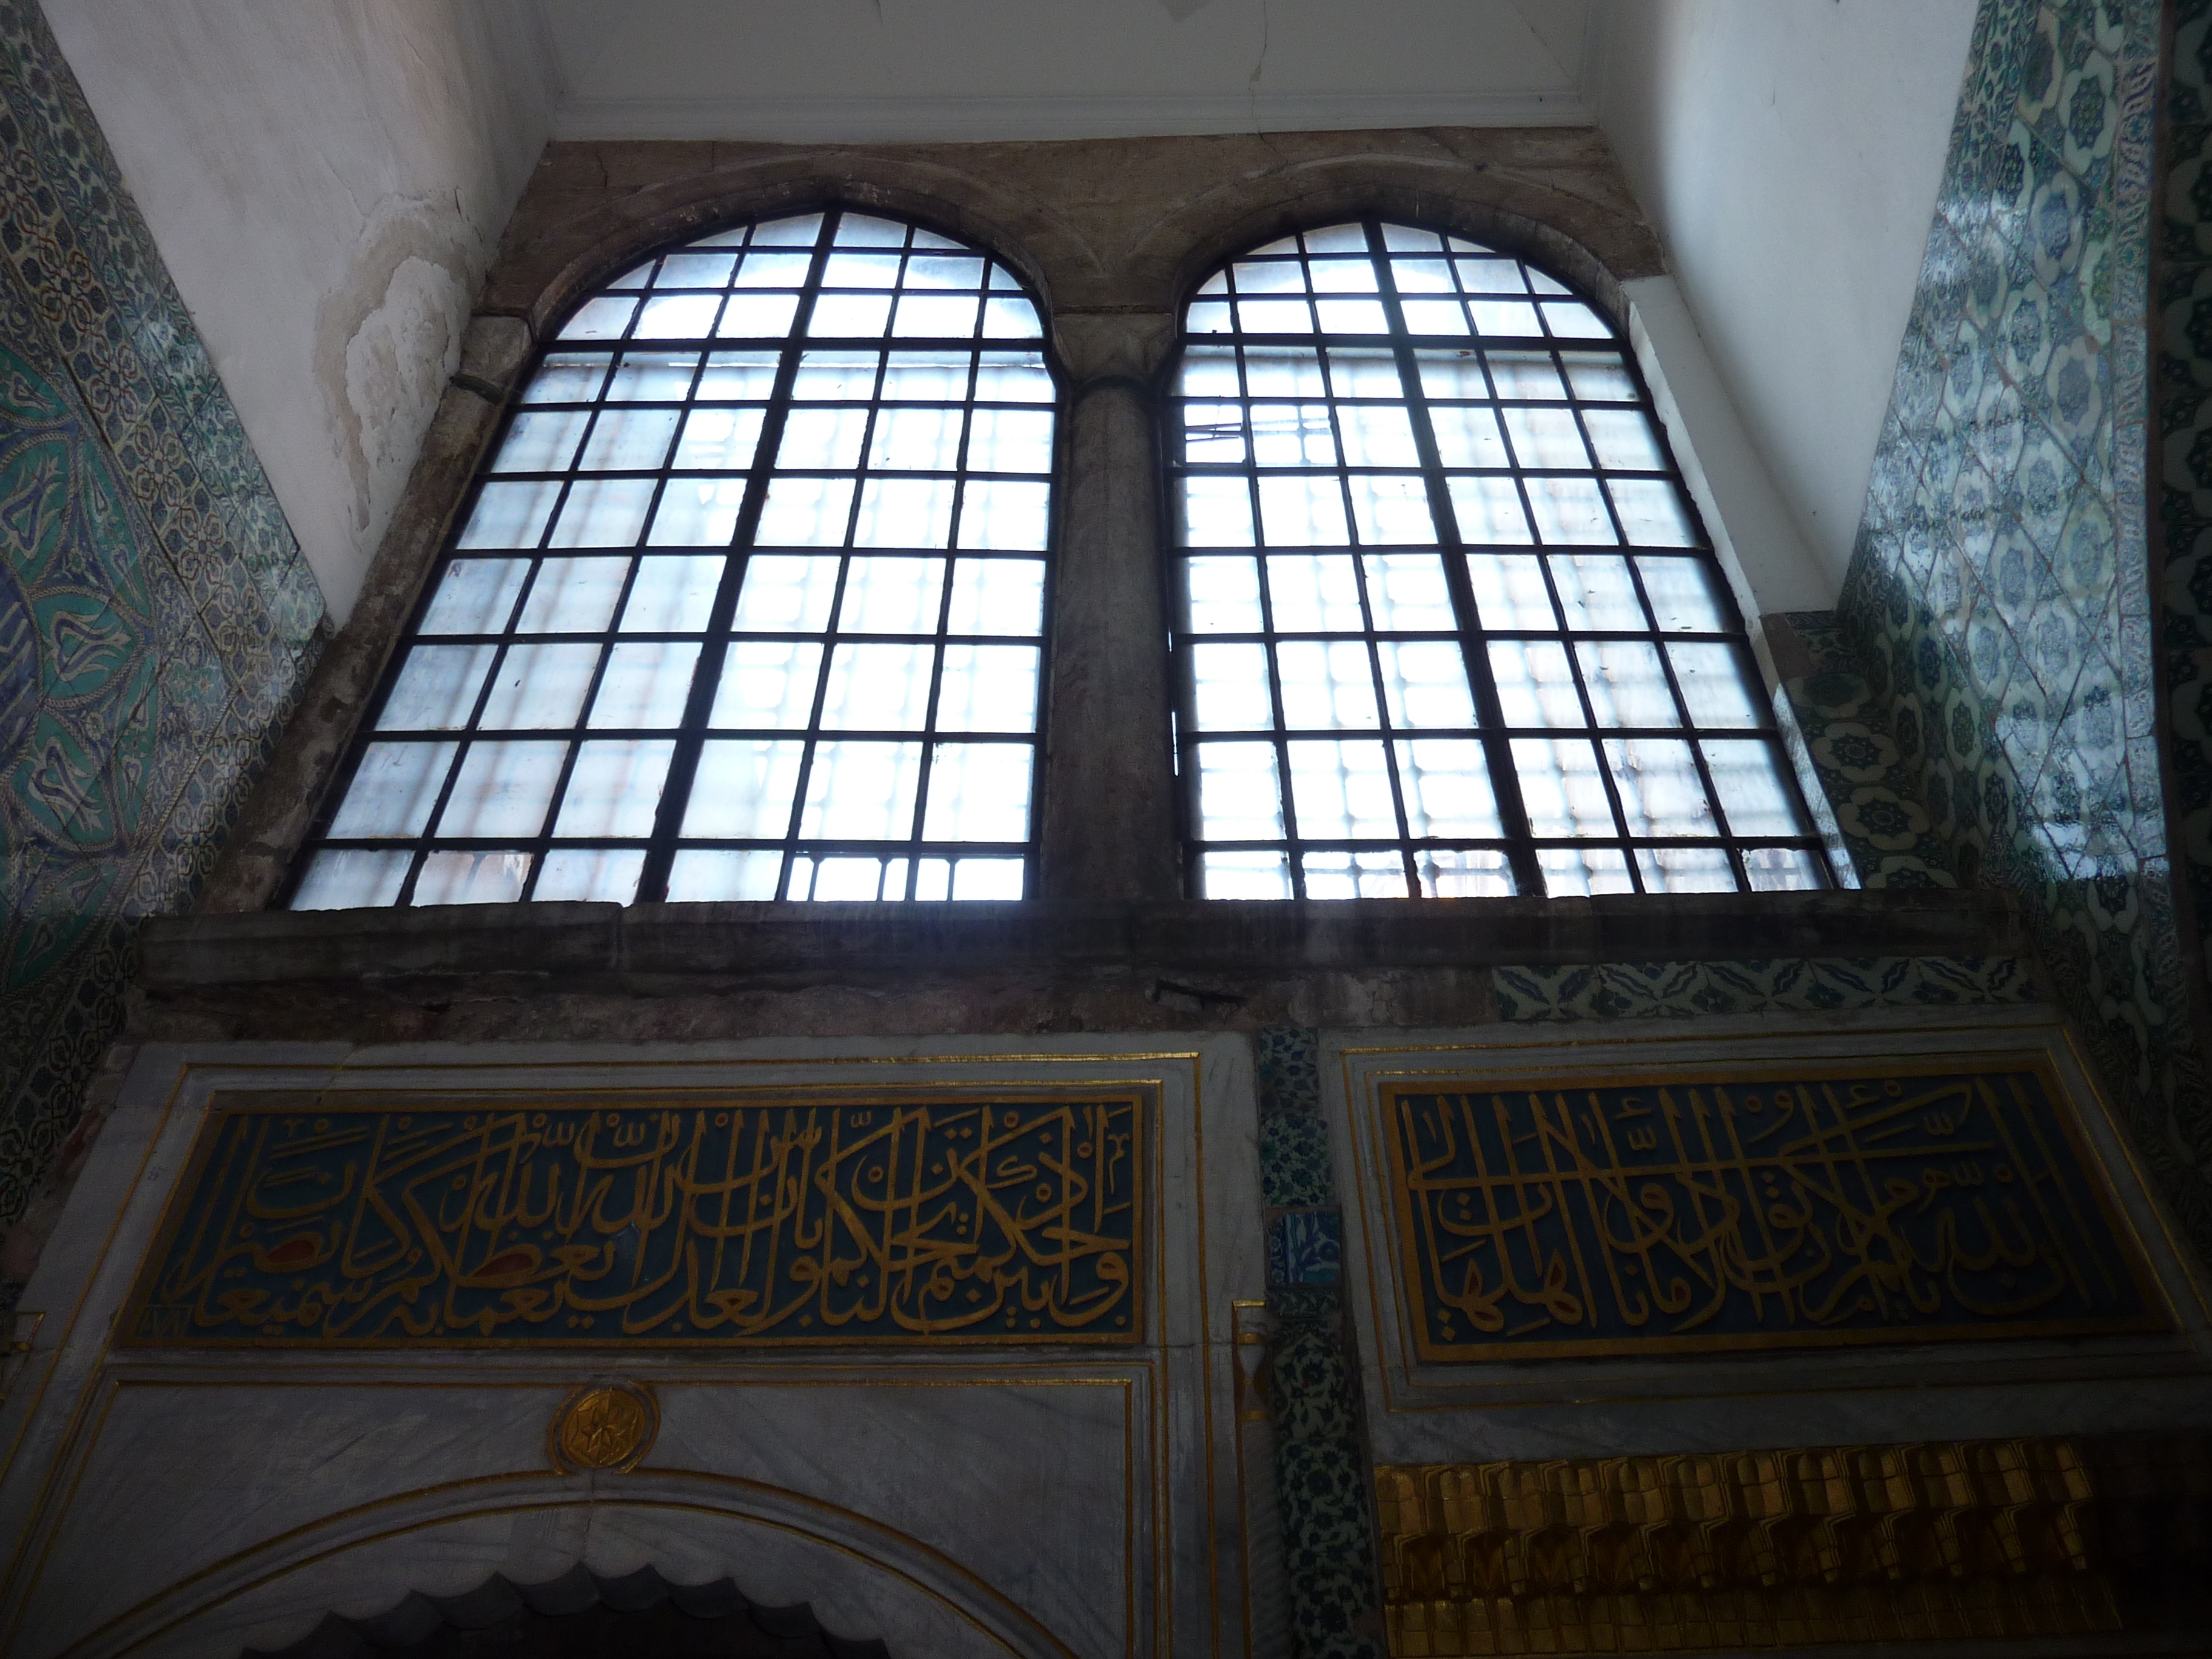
(327, 183)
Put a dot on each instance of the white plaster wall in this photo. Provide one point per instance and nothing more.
(1788, 153)
(817, 70)
(326, 180)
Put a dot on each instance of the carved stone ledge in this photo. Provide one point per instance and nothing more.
(1792, 1548)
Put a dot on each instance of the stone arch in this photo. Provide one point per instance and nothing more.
(1114, 225)
(861, 1579)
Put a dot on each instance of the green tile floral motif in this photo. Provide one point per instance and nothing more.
(1632, 990)
(156, 619)
(1998, 604)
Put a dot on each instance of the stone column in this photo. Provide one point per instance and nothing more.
(1109, 779)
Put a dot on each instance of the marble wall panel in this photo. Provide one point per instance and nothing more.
(156, 618)
(1429, 1409)
(1035, 1500)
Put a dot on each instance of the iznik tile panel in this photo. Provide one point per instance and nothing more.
(156, 618)
(785, 1222)
(2000, 595)
(1772, 1208)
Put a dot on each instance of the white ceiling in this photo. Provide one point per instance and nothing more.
(948, 70)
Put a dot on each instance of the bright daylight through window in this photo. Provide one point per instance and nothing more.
(748, 604)
(1447, 625)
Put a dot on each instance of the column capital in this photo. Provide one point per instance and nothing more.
(1113, 345)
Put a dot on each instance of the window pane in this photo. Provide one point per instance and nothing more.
(573, 595)
(1245, 876)
(502, 789)
(674, 594)
(987, 688)
(347, 878)
(862, 791)
(646, 684)
(1326, 686)
(896, 429)
(997, 596)
(743, 789)
(1464, 874)
(393, 789)
(787, 593)
(593, 875)
(1313, 592)
(1717, 684)
(1354, 875)
(979, 792)
(614, 789)
(437, 689)
(1755, 791)
(539, 686)
(1446, 782)
(1425, 684)
(1660, 790)
(1239, 796)
(1341, 789)
(891, 596)
(766, 683)
(1627, 683)
(706, 875)
(476, 596)
(1407, 592)
(1503, 494)
(1232, 689)
(472, 877)
(879, 687)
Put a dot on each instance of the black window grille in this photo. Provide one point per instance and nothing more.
(748, 603)
(1447, 623)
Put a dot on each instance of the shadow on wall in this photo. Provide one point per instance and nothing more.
(156, 618)
(1983, 706)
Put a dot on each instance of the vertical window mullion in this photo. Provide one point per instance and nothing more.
(1490, 714)
(684, 765)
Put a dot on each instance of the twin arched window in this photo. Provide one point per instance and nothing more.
(749, 601)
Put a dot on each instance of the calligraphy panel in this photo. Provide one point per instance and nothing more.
(1762, 1208)
(737, 1220)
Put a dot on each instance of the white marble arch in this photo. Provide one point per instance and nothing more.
(1049, 1501)
(861, 1578)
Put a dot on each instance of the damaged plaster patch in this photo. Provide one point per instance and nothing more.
(387, 342)
(396, 365)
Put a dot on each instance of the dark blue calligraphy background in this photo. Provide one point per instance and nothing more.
(997, 1221)
(1736, 1214)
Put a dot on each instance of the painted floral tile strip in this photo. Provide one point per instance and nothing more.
(1681, 990)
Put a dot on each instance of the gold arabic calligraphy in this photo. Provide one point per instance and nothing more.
(1696, 1215)
(982, 1220)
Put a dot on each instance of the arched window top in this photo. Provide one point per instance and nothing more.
(837, 276)
(1448, 624)
(1346, 279)
(747, 602)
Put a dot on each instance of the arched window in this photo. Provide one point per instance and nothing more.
(747, 605)
(1447, 625)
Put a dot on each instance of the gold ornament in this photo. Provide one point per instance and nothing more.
(601, 1428)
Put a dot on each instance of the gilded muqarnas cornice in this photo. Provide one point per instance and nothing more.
(2014, 1538)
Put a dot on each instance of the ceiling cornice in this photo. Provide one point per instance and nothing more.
(969, 120)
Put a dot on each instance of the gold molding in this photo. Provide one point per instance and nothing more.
(1763, 1549)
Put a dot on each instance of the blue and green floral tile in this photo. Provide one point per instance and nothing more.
(152, 620)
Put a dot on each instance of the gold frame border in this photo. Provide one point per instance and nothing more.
(1145, 1096)
(2133, 1261)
